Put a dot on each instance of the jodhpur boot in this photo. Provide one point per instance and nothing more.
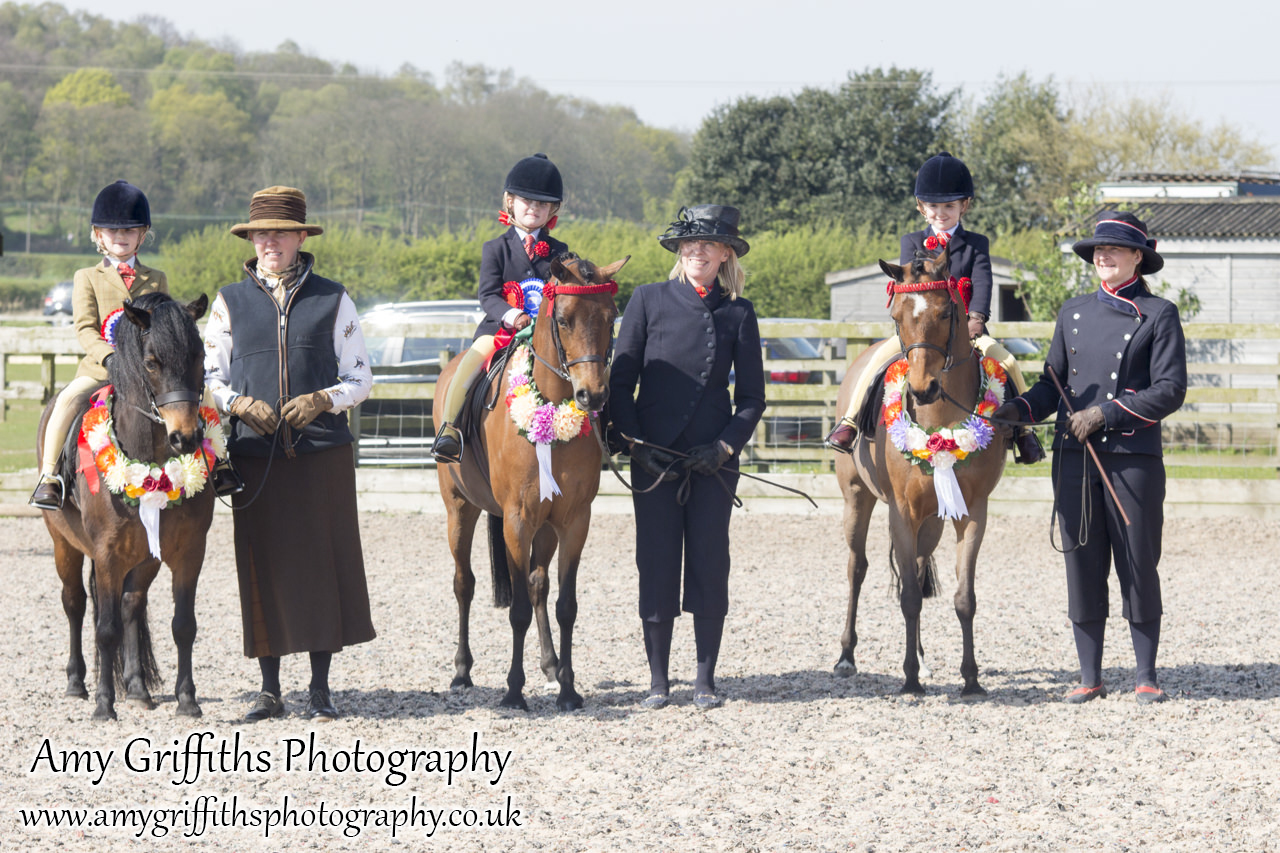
(49, 493)
(448, 444)
(841, 438)
(1027, 449)
(226, 480)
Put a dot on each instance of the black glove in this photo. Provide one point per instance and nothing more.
(706, 459)
(1086, 423)
(654, 461)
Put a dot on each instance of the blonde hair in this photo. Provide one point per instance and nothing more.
(96, 239)
(968, 203)
(732, 276)
(509, 199)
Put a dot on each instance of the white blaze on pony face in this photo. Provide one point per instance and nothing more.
(918, 304)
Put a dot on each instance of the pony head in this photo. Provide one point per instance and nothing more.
(929, 313)
(578, 313)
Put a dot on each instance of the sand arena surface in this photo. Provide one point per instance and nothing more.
(796, 759)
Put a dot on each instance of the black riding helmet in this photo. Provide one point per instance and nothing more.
(121, 205)
(535, 178)
(943, 178)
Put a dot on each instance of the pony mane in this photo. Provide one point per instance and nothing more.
(173, 336)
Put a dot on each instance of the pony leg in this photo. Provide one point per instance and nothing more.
(969, 534)
(909, 598)
(107, 634)
(575, 538)
(70, 564)
(519, 539)
(858, 507)
(186, 573)
(139, 665)
(462, 527)
(930, 535)
(544, 547)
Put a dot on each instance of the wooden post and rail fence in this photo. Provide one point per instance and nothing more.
(1231, 419)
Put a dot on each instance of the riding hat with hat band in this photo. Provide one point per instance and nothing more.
(535, 178)
(943, 178)
(715, 223)
(277, 209)
(121, 205)
(1117, 228)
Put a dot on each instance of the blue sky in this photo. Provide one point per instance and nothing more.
(675, 62)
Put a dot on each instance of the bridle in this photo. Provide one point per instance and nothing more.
(183, 395)
(553, 289)
(952, 286)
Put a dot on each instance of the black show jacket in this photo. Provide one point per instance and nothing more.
(680, 347)
(503, 259)
(970, 258)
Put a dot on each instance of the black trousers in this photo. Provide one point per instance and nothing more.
(695, 536)
(1139, 481)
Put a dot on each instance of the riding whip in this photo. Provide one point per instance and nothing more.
(1106, 481)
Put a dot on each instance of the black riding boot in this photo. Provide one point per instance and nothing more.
(657, 648)
(707, 632)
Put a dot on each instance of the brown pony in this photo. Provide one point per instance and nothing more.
(157, 373)
(943, 380)
(499, 474)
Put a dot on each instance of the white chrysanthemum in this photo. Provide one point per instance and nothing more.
(522, 406)
(942, 460)
(116, 477)
(98, 437)
(177, 473)
(157, 499)
(135, 473)
(194, 473)
(965, 440)
(916, 439)
(520, 362)
(568, 422)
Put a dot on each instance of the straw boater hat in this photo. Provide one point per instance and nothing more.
(277, 209)
(1117, 228)
(716, 223)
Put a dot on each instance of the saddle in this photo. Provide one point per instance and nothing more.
(868, 416)
(484, 394)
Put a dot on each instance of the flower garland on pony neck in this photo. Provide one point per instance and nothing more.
(150, 487)
(543, 423)
(938, 450)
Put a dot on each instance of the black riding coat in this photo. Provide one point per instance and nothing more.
(970, 254)
(1125, 353)
(503, 259)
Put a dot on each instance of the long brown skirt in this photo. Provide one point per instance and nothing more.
(298, 555)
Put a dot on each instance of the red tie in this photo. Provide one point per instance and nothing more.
(528, 245)
(944, 238)
(126, 274)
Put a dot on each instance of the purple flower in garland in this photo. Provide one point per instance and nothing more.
(981, 431)
(519, 379)
(542, 429)
(898, 433)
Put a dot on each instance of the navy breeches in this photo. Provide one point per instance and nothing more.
(1139, 480)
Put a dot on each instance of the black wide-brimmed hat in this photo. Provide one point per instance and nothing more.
(1117, 228)
(717, 223)
(943, 178)
(535, 178)
(121, 205)
(277, 209)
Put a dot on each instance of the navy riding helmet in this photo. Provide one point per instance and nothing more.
(943, 178)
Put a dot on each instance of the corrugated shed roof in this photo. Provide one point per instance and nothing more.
(1200, 178)
(1211, 217)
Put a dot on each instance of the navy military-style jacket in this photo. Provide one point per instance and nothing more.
(503, 259)
(680, 347)
(1125, 353)
(970, 258)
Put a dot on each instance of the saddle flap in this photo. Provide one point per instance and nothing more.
(868, 416)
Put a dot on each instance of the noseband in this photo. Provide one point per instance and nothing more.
(554, 288)
(952, 286)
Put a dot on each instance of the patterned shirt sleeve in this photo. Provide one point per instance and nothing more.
(355, 376)
(217, 354)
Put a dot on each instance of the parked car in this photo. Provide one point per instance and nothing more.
(57, 302)
(793, 429)
(400, 431)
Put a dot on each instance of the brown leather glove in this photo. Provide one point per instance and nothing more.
(257, 414)
(977, 326)
(1085, 423)
(301, 411)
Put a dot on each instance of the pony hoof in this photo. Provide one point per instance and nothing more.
(77, 691)
(912, 689)
(552, 686)
(845, 668)
(146, 703)
(189, 708)
(570, 701)
(516, 702)
(973, 691)
(459, 682)
(104, 713)
(925, 672)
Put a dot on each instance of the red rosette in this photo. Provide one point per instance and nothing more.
(541, 249)
(513, 295)
(931, 243)
(109, 324)
(551, 223)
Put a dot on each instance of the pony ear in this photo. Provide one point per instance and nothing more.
(197, 307)
(557, 269)
(894, 271)
(607, 273)
(138, 316)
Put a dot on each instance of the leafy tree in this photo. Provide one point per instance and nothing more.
(87, 87)
(202, 147)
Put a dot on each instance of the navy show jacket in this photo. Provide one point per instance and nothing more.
(504, 259)
(1125, 353)
(681, 347)
(970, 258)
